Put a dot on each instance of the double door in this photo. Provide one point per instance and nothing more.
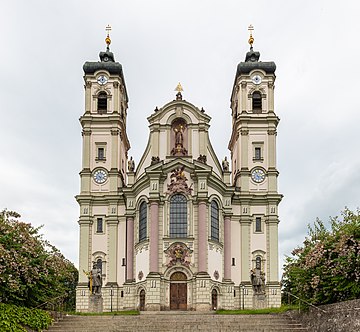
(178, 296)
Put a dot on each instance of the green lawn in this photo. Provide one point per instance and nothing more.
(257, 312)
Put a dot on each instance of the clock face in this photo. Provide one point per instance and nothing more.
(258, 175)
(256, 79)
(102, 79)
(100, 176)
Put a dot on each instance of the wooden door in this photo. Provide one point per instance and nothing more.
(214, 299)
(142, 300)
(178, 296)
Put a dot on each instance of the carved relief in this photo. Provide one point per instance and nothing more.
(178, 182)
(272, 132)
(141, 275)
(178, 254)
(216, 274)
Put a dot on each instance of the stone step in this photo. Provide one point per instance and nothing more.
(175, 322)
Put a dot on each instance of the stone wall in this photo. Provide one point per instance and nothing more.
(342, 316)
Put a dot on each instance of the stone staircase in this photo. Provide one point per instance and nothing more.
(185, 321)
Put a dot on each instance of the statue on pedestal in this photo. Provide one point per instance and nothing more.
(96, 280)
(258, 279)
(225, 165)
(131, 165)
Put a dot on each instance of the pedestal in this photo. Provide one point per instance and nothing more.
(259, 301)
(95, 303)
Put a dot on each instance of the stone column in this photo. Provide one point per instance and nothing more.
(154, 236)
(129, 248)
(227, 248)
(202, 237)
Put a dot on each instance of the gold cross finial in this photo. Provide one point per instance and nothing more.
(251, 38)
(107, 39)
(179, 88)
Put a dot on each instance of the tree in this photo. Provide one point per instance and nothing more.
(32, 271)
(327, 268)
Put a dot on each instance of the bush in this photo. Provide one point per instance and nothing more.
(32, 271)
(14, 318)
(327, 268)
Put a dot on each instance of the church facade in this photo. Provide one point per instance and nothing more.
(180, 230)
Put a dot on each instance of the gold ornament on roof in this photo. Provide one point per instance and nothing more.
(251, 38)
(107, 39)
(179, 88)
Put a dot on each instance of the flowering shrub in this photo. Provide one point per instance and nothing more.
(327, 268)
(32, 271)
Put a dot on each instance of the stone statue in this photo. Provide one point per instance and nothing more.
(225, 165)
(96, 279)
(131, 165)
(179, 138)
(258, 279)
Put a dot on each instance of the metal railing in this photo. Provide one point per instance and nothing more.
(55, 306)
(301, 300)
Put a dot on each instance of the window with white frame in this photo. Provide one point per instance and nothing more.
(178, 216)
(214, 220)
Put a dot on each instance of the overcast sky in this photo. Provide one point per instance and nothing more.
(315, 45)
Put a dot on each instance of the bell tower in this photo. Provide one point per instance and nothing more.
(254, 173)
(103, 174)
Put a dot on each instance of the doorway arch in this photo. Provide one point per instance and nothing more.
(214, 299)
(142, 300)
(178, 291)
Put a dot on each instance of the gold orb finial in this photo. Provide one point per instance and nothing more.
(251, 38)
(107, 39)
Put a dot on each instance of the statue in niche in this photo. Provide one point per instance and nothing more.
(179, 149)
(258, 278)
(96, 280)
(179, 137)
(225, 165)
(131, 165)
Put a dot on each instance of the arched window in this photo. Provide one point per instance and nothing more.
(256, 101)
(99, 264)
(258, 262)
(214, 221)
(102, 102)
(142, 221)
(178, 216)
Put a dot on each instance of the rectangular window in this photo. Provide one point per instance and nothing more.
(99, 225)
(257, 153)
(257, 224)
(233, 261)
(123, 262)
(101, 153)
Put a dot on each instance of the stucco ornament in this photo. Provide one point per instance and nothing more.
(216, 274)
(178, 254)
(141, 275)
(178, 182)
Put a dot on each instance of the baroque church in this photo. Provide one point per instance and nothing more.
(181, 230)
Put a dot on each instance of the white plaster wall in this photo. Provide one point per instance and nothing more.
(258, 241)
(195, 143)
(142, 263)
(215, 260)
